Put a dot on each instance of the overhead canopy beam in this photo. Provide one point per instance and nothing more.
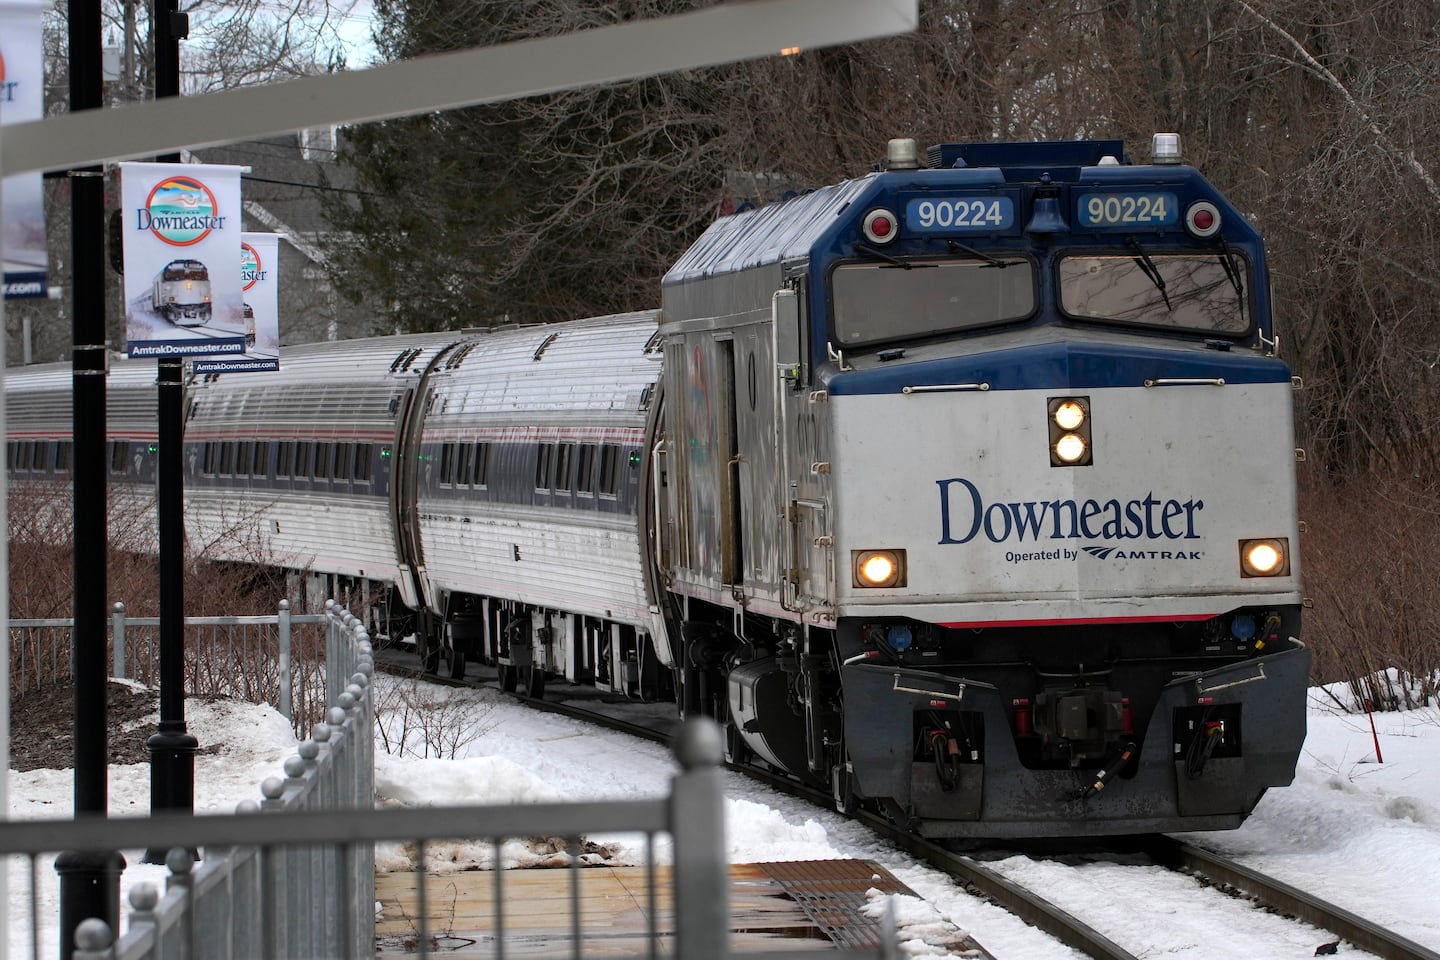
(725, 33)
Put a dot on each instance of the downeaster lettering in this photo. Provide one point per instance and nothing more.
(1148, 517)
(145, 220)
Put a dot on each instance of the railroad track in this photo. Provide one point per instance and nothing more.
(1208, 867)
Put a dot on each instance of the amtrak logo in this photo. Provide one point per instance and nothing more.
(251, 270)
(965, 514)
(181, 211)
(1099, 553)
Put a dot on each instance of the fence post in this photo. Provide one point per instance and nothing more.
(697, 824)
(283, 618)
(117, 627)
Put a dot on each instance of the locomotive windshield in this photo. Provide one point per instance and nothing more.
(892, 300)
(186, 270)
(1191, 291)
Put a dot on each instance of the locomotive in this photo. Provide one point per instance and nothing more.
(964, 488)
(181, 293)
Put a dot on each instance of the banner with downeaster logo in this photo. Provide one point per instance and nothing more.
(22, 98)
(181, 233)
(260, 286)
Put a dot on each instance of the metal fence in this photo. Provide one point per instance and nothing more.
(238, 657)
(291, 876)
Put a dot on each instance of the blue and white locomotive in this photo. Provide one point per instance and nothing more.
(965, 488)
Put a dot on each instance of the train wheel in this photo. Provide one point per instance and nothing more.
(508, 676)
(532, 679)
(457, 664)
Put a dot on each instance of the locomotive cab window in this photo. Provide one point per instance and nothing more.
(879, 300)
(1191, 291)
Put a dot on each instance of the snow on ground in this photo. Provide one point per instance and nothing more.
(1363, 834)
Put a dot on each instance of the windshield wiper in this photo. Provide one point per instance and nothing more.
(896, 261)
(957, 247)
(1147, 267)
(1231, 270)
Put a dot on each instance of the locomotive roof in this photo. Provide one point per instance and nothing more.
(769, 234)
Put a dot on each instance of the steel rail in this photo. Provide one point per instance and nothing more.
(1040, 913)
(1290, 901)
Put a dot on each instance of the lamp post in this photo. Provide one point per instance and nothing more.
(89, 881)
(172, 747)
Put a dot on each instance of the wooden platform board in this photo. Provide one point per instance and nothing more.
(813, 905)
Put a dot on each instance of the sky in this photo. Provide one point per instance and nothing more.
(1361, 833)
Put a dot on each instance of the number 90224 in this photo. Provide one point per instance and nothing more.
(956, 214)
(1127, 209)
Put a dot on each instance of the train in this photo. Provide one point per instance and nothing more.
(181, 293)
(964, 489)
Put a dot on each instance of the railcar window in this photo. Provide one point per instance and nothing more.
(585, 475)
(22, 456)
(609, 460)
(227, 458)
(302, 459)
(322, 460)
(447, 464)
(563, 453)
(462, 464)
(11, 452)
(482, 463)
(1184, 292)
(260, 466)
(207, 458)
(341, 469)
(242, 458)
(62, 456)
(120, 453)
(282, 459)
(542, 466)
(876, 301)
(362, 462)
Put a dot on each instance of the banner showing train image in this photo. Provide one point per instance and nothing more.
(22, 219)
(259, 279)
(181, 228)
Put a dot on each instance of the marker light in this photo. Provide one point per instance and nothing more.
(1202, 219)
(1070, 448)
(1265, 558)
(878, 568)
(880, 226)
(1165, 148)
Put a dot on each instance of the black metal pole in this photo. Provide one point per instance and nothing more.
(172, 748)
(89, 881)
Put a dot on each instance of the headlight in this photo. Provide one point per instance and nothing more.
(1265, 558)
(878, 568)
(1069, 414)
(1069, 430)
(1070, 448)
